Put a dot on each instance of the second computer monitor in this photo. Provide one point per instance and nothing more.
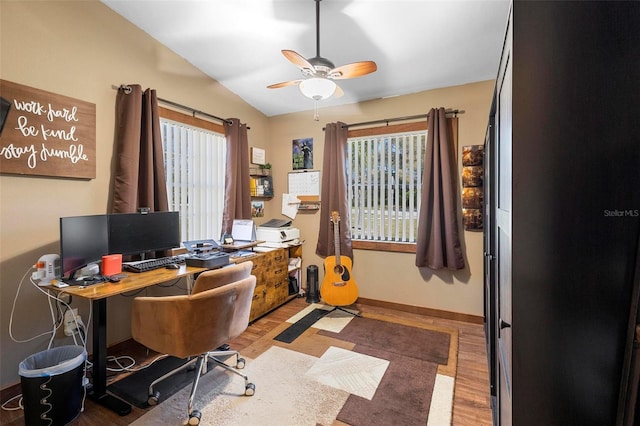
(136, 233)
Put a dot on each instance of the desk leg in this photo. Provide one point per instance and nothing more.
(99, 392)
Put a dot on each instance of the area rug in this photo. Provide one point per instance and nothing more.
(329, 375)
(419, 343)
(296, 329)
(284, 396)
(405, 394)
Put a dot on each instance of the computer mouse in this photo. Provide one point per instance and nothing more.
(173, 266)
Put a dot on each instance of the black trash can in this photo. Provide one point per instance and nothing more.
(313, 295)
(52, 385)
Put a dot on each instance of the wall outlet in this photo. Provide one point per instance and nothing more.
(71, 322)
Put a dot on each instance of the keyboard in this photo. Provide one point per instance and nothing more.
(151, 264)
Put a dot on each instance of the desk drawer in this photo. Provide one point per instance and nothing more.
(278, 292)
(259, 303)
(272, 281)
(270, 265)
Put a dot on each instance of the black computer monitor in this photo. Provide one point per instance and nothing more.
(83, 240)
(138, 233)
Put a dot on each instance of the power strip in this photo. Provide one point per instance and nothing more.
(72, 321)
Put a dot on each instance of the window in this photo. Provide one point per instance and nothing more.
(384, 184)
(195, 167)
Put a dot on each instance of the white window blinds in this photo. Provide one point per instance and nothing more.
(195, 168)
(384, 183)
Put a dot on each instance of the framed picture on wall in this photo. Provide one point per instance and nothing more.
(258, 155)
(472, 187)
(472, 176)
(267, 186)
(473, 155)
(302, 153)
(472, 219)
(257, 209)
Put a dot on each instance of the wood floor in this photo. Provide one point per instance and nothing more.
(471, 395)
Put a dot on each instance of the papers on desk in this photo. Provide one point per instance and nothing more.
(290, 205)
(277, 244)
(242, 254)
(263, 249)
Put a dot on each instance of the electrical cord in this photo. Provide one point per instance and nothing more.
(129, 369)
(133, 293)
(57, 322)
(13, 308)
(19, 407)
(53, 319)
(142, 367)
(57, 309)
(174, 283)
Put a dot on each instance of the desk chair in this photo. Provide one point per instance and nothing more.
(193, 326)
(217, 277)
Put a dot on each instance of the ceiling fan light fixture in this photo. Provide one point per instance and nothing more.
(317, 88)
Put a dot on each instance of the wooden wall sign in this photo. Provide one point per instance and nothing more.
(46, 134)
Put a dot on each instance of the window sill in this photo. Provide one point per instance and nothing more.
(384, 246)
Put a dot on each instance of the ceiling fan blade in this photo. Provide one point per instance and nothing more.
(355, 69)
(284, 84)
(298, 60)
(338, 93)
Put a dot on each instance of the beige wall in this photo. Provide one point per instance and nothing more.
(393, 277)
(79, 49)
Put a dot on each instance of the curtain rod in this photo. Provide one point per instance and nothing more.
(193, 111)
(410, 117)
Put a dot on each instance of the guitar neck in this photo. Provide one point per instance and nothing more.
(336, 241)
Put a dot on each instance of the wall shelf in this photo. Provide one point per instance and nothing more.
(309, 202)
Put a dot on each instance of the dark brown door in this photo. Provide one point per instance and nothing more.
(490, 298)
(503, 234)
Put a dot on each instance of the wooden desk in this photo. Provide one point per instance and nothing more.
(98, 294)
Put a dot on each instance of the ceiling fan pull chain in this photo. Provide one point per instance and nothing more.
(316, 116)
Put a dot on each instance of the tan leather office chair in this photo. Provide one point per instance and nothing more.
(194, 326)
(217, 277)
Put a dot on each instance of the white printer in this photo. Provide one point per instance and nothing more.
(270, 235)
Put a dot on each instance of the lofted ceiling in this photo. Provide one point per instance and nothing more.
(417, 44)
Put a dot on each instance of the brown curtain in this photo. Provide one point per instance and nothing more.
(333, 195)
(438, 244)
(237, 197)
(139, 178)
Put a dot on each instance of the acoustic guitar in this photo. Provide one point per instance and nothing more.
(338, 286)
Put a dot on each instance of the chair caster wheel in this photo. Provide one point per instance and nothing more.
(194, 418)
(153, 399)
(240, 363)
(250, 389)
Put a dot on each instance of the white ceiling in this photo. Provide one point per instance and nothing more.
(417, 44)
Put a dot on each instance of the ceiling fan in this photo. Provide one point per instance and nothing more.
(320, 72)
